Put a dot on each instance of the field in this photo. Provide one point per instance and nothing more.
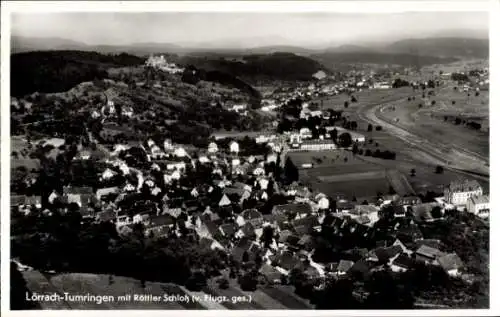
(354, 177)
(429, 123)
(365, 97)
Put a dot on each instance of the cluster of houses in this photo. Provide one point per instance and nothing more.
(232, 209)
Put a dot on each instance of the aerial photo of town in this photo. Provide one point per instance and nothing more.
(246, 161)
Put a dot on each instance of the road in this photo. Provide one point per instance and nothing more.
(429, 152)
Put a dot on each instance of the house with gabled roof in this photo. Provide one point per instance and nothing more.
(384, 255)
(271, 274)
(343, 267)
(228, 230)
(286, 261)
(451, 264)
(245, 248)
(293, 210)
(428, 254)
(224, 201)
(408, 200)
(402, 263)
(211, 244)
(252, 216)
(247, 230)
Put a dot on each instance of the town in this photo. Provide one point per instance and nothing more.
(165, 178)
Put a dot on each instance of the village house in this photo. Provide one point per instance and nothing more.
(451, 264)
(408, 200)
(459, 191)
(159, 226)
(103, 192)
(20, 201)
(402, 263)
(428, 254)
(213, 148)
(180, 152)
(479, 206)
(385, 255)
(422, 212)
(293, 210)
(234, 147)
(252, 216)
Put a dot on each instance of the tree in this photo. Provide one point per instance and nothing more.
(412, 172)
(370, 127)
(355, 148)
(378, 128)
(196, 281)
(345, 139)
(346, 104)
(436, 212)
(353, 99)
(433, 102)
(453, 102)
(223, 283)
(333, 135)
(391, 190)
(19, 291)
(439, 169)
(267, 236)
(248, 282)
(290, 170)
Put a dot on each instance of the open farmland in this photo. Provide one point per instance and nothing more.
(365, 97)
(428, 121)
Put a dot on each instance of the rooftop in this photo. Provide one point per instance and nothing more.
(484, 199)
(464, 185)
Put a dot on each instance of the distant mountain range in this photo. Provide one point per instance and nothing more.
(436, 46)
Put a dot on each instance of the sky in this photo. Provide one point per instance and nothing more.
(244, 29)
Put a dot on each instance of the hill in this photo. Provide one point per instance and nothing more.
(20, 44)
(56, 71)
(279, 66)
(445, 47)
(333, 59)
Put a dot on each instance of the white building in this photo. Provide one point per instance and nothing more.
(317, 145)
(167, 144)
(180, 152)
(213, 148)
(108, 174)
(479, 206)
(458, 192)
(234, 147)
(305, 133)
(176, 166)
(381, 85)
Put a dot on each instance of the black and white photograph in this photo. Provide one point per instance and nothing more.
(248, 160)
